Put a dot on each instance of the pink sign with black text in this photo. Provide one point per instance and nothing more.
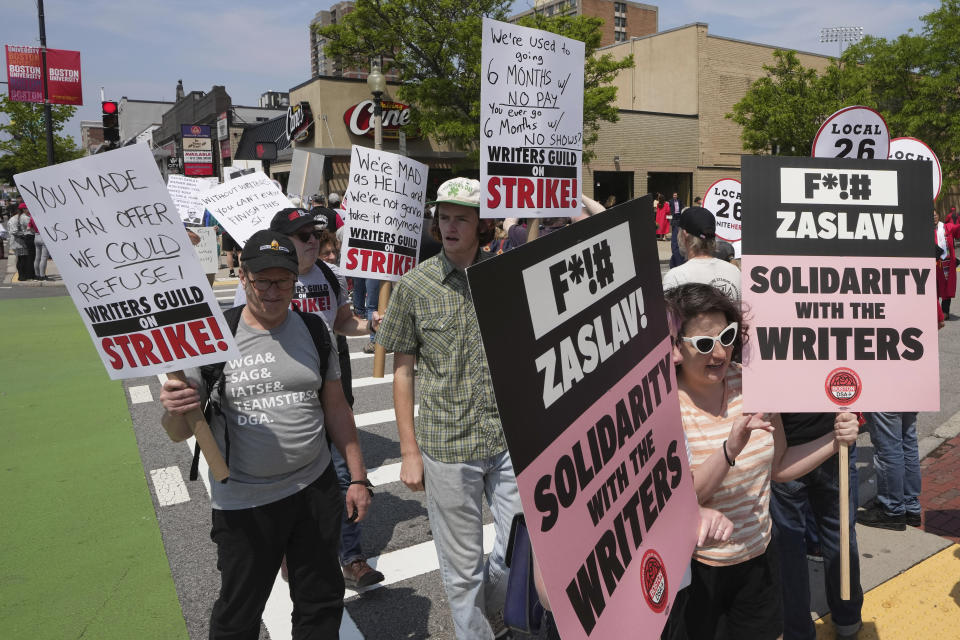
(839, 288)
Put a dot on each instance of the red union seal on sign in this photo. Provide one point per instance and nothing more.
(843, 386)
(654, 581)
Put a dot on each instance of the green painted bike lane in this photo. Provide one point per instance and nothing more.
(80, 551)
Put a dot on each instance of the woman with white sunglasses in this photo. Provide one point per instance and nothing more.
(735, 592)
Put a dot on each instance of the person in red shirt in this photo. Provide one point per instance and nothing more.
(946, 233)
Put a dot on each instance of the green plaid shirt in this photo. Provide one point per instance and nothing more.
(432, 317)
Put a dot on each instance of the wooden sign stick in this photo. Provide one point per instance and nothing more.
(379, 353)
(844, 522)
(201, 431)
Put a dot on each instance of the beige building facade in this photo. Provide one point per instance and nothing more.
(673, 134)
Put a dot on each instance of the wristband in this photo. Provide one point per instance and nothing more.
(725, 455)
(365, 482)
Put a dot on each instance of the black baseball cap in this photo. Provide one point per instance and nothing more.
(289, 221)
(266, 249)
(698, 222)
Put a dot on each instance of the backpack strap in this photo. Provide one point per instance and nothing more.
(332, 279)
(211, 375)
(321, 338)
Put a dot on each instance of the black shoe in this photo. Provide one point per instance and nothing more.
(912, 519)
(875, 516)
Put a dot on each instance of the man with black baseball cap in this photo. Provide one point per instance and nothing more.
(697, 239)
(322, 290)
(275, 406)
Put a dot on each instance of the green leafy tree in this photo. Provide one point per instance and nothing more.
(435, 48)
(25, 144)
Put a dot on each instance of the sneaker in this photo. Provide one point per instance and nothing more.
(912, 519)
(359, 574)
(232, 274)
(875, 516)
(370, 347)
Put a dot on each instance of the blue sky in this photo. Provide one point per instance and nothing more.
(140, 49)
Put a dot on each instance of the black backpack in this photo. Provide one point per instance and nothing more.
(211, 375)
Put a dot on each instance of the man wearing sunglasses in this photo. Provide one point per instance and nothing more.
(275, 406)
(322, 290)
(697, 238)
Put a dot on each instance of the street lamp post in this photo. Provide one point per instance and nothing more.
(378, 84)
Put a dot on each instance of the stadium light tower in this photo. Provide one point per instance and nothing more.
(841, 35)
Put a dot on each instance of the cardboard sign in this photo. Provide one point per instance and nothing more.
(914, 149)
(207, 251)
(185, 194)
(306, 174)
(531, 123)
(575, 333)
(838, 276)
(722, 199)
(110, 225)
(245, 205)
(383, 212)
(853, 132)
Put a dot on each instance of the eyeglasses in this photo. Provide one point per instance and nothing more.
(706, 344)
(263, 284)
(304, 236)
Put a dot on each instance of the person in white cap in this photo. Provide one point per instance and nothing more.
(457, 451)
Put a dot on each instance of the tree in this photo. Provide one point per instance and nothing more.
(435, 47)
(26, 147)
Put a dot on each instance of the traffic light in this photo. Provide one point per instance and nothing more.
(111, 122)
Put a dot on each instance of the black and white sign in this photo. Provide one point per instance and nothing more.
(853, 132)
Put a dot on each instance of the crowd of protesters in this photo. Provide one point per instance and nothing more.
(298, 489)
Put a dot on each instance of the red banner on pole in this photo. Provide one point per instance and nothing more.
(25, 76)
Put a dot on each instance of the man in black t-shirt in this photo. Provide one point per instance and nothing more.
(787, 508)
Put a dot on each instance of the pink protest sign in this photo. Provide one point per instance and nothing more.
(839, 286)
(575, 334)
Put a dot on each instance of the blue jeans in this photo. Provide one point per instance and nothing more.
(787, 508)
(454, 493)
(366, 298)
(896, 460)
(350, 549)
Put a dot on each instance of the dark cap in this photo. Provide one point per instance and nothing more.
(724, 250)
(698, 222)
(289, 221)
(266, 249)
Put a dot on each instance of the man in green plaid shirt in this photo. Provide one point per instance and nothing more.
(456, 451)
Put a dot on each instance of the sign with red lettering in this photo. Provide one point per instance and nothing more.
(839, 277)
(531, 123)
(853, 132)
(129, 266)
(25, 75)
(576, 336)
(359, 119)
(383, 212)
(723, 201)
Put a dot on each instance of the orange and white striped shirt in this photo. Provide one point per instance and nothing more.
(744, 494)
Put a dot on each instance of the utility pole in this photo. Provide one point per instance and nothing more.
(47, 114)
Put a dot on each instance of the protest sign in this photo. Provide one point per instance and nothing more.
(383, 212)
(206, 249)
(185, 193)
(722, 199)
(25, 75)
(244, 205)
(838, 277)
(128, 264)
(853, 132)
(531, 121)
(575, 333)
(306, 174)
(913, 149)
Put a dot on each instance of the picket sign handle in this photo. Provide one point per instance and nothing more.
(379, 353)
(303, 183)
(533, 229)
(201, 431)
(844, 522)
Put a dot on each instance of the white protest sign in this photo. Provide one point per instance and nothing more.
(124, 254)
(383, 212)
(914, 149)
(531, 123)
(207, 248)
(185, 193)
(852, 132)
(306, 173)
(722, 199)
(245, 205)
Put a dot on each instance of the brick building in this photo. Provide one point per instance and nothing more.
(673, 134)
(622, 20)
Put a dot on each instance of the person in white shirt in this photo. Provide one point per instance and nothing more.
(697, 239)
